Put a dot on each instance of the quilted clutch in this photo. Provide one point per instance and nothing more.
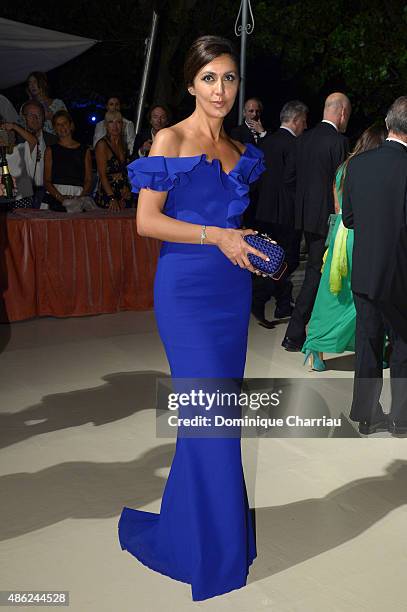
(274, 268)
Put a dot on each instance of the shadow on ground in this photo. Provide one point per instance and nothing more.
(286, 535)
(120, 396)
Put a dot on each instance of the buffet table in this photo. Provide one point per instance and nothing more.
(64, 265)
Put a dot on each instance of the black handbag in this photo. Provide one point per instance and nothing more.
(276, 266)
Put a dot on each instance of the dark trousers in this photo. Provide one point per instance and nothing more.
(264, 288)
(373, 320)
(306, 298)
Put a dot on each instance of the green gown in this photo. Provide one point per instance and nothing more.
(333, 320)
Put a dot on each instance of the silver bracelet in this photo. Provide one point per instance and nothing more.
(203, 234)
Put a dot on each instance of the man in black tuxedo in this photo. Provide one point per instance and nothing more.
(252, 129)
(374, 205)
(319, 152)
(253, 132)
(158, 118)
(275, 207)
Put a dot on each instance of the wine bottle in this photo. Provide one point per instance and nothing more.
(6, 178)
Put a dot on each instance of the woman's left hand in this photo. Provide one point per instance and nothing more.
(233, 245)
(114, 205)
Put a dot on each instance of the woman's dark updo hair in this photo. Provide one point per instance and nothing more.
(204, 50)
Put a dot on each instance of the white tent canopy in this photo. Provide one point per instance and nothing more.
(24, 48)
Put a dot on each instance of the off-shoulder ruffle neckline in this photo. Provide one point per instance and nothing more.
(162, 173)
(250, 152)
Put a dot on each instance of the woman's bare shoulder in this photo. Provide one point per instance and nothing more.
(171, 141)
(101, 146)
(167, 142)
(238, 145)
(101, 143)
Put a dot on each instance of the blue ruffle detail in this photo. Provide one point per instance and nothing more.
(247, 170)
(161, 173)
(250, 165)
(164, 173)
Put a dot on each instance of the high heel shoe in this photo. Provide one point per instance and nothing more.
(386, 354)
(316, 361)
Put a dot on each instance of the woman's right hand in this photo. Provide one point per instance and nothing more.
(235, 248)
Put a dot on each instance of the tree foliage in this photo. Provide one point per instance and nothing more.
(357, 46)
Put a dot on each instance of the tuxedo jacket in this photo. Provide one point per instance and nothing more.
(140, 139)
(243, 134)
(374, 205)
(276, 187)
(319, 153)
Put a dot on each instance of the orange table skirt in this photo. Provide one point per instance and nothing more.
(64, 265)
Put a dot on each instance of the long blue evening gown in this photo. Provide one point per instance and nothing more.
(204, 534)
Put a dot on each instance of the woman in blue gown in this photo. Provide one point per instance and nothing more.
(194, 187)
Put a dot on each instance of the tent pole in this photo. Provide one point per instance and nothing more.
(146, 73)
(242, 90)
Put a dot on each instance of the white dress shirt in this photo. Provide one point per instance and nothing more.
(18, 169)
(331, 123)
(284, 127)
(34, 160)
(397, 140)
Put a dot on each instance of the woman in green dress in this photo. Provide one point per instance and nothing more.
(332, 325)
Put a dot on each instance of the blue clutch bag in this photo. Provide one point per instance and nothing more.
(274, 268)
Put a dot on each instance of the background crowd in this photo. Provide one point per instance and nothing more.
(354, 293)
(51, 165)
(298, 201)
